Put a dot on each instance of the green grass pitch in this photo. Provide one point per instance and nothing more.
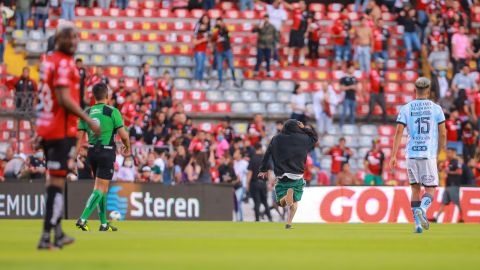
(227, 245)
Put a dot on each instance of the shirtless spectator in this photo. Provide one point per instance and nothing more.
(346, 177)
(364, 41)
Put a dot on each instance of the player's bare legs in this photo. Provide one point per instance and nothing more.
(288, 201)
(420, 206)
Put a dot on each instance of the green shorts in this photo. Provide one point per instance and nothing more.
(283, 185)
(373, 180)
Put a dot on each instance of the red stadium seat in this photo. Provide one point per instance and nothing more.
(317, 7)
(222, 107)
(321, 75)
(131, 13)
(215, 13)
(204, 107)
(232, 14)
(181, 13)
(333, 15)
(196, 95)
(197, 13)
(386, 130)
(248, 14)
(392, 87)
(410, 75)
(335, 7)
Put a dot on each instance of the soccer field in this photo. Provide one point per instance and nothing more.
(226, 245)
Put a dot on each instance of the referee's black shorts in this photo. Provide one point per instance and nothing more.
(102, 162)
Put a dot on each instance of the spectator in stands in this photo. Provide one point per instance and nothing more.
(439, 58)
(165, 89)
(298, 104)
(200, 42)
(245, 5)
(146, 81)
(469, 139)
(345, 177)
(82, 71)
(265, 43)
(377, 90)
(127, 172)
(222, 145)
(340, 154)
(3, 33)
(42, 7)
(23, 9)
(475, 50)
(256, 130)
(208, 4)
(461, 48)
(226, 172)
(25, 90)
(180, 161)
(442, 81)
(453, 169)
(350, 86)
(381, 35)
(325, 101)
(314, 33)
(364, 42)
(462, 104)
(298, 31)
(104, 4)
(198, 142)
(454, 127)
(340, 33)
(198, 169)
(122, 4)
(129, 110)
(374, 164)
(86, 3)
(257, 187)
(97, 77)
(374, 11)
(136, 131)
(15, 167)
(226, 128)
(223, 50)
(364, 5)
(277, 16)
(240, 165)
(464, 80)
(408, 19)
(68, 9)
(145, 174)
(37, 167)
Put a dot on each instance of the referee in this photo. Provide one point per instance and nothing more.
(101, 154)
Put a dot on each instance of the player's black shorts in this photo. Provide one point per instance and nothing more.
(57, 153)
(101, 161)
(297, 39)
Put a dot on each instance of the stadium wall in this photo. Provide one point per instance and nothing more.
(378, 205)
(135, 201)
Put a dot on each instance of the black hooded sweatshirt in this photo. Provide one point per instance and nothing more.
(289, 149)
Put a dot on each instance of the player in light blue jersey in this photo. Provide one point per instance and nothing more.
(425, 123)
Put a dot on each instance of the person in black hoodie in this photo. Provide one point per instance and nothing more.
(288, 151)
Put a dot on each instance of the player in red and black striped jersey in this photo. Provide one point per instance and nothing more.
(59, 98)
(374, 164)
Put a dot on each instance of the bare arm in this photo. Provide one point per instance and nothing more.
(249, 179)
(125, 140)
(80, 135)
(396, 143)
(442, 137)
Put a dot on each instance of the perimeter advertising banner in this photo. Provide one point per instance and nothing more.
(378, 205)
(22, 200)
(148, 201)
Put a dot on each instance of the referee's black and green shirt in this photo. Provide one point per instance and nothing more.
(109, 119)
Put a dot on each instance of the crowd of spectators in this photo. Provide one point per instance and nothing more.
(170, 149)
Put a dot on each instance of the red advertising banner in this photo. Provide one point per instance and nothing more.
(378, 205)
